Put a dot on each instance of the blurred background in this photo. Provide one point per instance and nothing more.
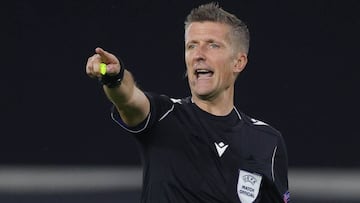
(59, 144)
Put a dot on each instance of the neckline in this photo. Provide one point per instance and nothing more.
(232, 117)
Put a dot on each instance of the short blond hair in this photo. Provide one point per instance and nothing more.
(214, 13)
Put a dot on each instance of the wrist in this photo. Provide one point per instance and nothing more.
(113, 81)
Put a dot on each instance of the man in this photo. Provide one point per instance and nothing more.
(199, 148)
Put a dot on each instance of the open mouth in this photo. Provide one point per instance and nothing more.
(202, 73)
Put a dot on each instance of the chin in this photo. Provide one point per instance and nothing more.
(203, 95)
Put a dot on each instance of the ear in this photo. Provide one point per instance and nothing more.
(240, 62)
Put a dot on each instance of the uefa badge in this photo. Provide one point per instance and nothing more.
(248, 186)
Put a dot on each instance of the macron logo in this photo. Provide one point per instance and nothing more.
(257, 122)
(220, 148)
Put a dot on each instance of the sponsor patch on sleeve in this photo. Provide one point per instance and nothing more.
(248, 186)
(286, 197)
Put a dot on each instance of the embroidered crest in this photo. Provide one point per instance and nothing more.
(248, 186)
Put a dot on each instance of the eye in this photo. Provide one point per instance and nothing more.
(214, 45)
(190, 46)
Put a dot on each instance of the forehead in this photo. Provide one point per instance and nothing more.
(207, 30)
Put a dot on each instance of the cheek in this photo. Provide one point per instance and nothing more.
(187, 60)
(227, 74)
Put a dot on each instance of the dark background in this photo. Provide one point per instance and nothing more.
(302, 76)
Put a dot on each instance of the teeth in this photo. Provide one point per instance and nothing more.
(202, 71)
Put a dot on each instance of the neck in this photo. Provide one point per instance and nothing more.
(220, 106)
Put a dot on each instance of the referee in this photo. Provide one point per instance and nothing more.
(199, 149)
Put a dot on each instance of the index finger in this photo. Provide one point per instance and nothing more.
(106, 57)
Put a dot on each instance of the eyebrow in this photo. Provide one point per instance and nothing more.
(207, 41)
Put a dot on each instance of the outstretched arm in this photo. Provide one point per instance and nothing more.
(130, 101)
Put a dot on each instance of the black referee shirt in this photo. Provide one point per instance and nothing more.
(192, 156)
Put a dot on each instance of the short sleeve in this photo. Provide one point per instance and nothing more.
(159, 106)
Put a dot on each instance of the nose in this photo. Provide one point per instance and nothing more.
(199, 54)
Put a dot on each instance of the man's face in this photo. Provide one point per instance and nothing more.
(210, 59)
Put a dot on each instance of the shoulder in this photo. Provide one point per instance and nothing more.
(155, 97)
(258, 126)
(162, 105)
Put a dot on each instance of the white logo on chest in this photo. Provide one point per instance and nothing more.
(220, 148)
